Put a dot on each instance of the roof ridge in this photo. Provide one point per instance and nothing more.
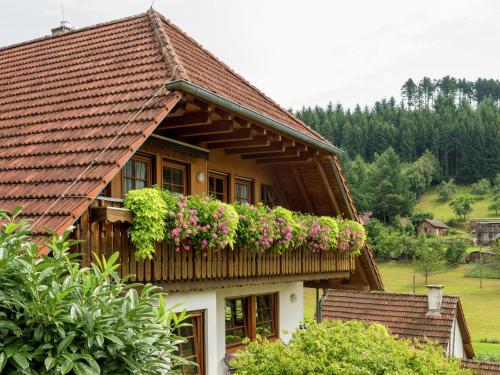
(72, 32)
(248, 83)
(387, 293)
(172, 62)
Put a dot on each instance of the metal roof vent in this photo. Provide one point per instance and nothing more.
(65, 27)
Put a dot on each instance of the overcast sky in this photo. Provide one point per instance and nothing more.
(307, 52)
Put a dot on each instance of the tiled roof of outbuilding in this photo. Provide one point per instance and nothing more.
(481, 368)
(405, 315)
(75, 107)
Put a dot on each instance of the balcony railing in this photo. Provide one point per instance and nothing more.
(104, 229)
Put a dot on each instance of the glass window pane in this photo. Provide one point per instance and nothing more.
(140, 184)
(177, 176)
(127, 170)
(140, 170)
(127, 186)
(167, 175)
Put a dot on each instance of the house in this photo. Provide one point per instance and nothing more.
(485, 231)
(432, 227)
(87, 115)
(434, 316)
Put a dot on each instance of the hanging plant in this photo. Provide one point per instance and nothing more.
(285, 227)
(200, 222)
(255, 227)
(150, 211)
(351, 236)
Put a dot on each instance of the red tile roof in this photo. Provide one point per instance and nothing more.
(74, 107)
(403, 314)
(481, 368)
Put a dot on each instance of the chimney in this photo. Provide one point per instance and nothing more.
(434, 300)
(65, 27)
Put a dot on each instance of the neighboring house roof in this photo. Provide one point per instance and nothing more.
(405, 315)
(481, 368)
(436, 223)
(97, 93)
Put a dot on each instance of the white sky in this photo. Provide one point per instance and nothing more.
(307, 52)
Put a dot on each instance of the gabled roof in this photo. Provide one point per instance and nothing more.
(480, 367)
(436, 223)
(75, 107)
(405, 315)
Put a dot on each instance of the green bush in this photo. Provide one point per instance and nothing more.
(150, 211)
(332, 347)
(58, 318)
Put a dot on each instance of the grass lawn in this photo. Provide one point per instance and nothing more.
(430, 202)
(481, 306)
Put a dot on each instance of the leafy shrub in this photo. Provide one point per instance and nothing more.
(446, 189)
(481, 187)
(150, 210)
(332, 347)
(455, 249)
(462, 205)
(58, 318)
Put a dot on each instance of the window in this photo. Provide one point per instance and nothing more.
(236, 320)
(267, 195)
(193, 348)
(265, 315)
(136, 174)
(174, 177)
(250, 316)
(243, 190)
(217, 185)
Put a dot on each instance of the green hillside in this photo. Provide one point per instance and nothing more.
(430, 202)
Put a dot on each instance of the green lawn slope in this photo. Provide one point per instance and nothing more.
(429, 201)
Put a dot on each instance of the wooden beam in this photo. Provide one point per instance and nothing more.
(222, 126)
(188, 119)
(326, 183)
(246, 281)
(304, 156)
(302, 188)
(273, 147)
(236, 135)
(260, 140)
(291, 151)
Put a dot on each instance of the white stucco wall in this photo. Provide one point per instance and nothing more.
(456, 346)
(212, 302)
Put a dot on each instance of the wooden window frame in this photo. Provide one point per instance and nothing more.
(223, 176)
(199, 337)
(149, 171)
(184, 167)
(247, 182)
(251, 319)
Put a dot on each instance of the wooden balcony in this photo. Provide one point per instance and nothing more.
(104, 229)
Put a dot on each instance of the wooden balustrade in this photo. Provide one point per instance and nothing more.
(104, 234)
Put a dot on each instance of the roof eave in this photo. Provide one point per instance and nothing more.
(250, 114)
